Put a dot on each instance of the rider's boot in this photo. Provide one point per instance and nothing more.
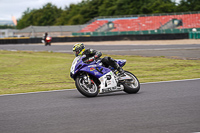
(108, 61)
(121, 71)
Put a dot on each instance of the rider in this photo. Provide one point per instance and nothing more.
(45, 36)
(91, 55)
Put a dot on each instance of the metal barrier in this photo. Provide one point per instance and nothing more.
(99, 38)
(166, 31)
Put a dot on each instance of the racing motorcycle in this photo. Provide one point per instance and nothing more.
(93, 78)
(47, 41)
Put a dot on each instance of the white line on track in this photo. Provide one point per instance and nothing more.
(74, 89)
(171, 81)
(156, 49)
(36, 92)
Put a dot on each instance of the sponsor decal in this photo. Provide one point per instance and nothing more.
(96, 73)
(111, 73)
(101, 79)
(92, 66)
(92, 69)
(109, 82)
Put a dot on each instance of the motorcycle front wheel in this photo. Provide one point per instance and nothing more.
(132, 85)
(85, 88)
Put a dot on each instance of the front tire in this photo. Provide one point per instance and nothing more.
(132, 86)
(88, 90)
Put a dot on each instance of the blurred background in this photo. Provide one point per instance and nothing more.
(98, 18)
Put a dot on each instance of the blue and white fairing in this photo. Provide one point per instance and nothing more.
(95, 68)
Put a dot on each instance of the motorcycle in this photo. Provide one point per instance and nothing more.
(93, 78)
(47, 41)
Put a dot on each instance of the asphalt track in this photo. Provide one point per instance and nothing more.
(164, 107)
(186, 51)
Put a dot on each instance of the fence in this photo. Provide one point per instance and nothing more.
(97, 38)
(166, 31)
(194, 35)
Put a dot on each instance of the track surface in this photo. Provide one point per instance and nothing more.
(191, 51)
(158, 108)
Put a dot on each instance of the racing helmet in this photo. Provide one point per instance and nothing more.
(78, 49)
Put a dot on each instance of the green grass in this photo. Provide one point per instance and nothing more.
(42, 71)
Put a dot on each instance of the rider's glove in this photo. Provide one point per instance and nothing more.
(91, 59)
(95, 57)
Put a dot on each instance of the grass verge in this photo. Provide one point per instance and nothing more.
(22, 72)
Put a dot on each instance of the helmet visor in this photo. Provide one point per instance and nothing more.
(76, 53)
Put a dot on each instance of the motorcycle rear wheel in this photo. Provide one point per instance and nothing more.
(47, 43)
(132, 87)
(88, 90)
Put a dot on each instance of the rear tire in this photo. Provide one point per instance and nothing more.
(85, 89)
(134, 87)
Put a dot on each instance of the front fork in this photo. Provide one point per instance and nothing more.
(86, 79)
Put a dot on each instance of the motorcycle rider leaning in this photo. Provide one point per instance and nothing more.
(91, 55)
(45, 36)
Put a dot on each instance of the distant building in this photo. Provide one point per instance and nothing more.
(8, 33)
(6, 22)
(53, 31)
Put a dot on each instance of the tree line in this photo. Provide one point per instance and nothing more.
(86, 10)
